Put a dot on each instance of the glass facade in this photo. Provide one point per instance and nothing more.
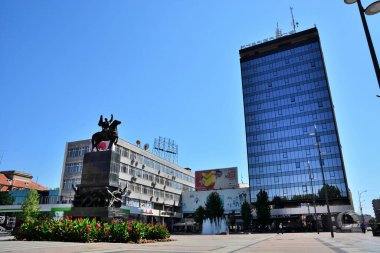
(286, 95)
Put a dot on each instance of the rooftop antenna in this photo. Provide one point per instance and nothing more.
(1, 156)
(294, 23)
(278, 32)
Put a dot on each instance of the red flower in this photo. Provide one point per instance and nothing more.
(98, 225)
(129, 228)
(88, 228)
(52, 226)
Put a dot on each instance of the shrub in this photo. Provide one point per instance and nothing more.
(86, 230)
(156, 232)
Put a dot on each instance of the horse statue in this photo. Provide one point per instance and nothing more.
(109, 134)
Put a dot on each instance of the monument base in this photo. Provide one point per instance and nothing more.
(100, 213)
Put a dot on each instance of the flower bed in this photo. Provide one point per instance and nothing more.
(86, 230)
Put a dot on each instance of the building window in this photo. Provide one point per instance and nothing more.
(285, 155)
(320, 104)
(298, 165)
(293, 99)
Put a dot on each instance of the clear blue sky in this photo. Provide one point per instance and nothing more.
(169, 68)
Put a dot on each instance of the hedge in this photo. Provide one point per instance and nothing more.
(86, 230)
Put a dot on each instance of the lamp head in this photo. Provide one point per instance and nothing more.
(373, 8)
(350, 1)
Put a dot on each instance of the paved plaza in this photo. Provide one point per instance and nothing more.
(310, 243)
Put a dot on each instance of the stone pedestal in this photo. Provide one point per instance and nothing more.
(95, 196)
(101, 213)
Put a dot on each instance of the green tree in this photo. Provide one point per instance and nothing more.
(277, 202)
(214, 206)
(199, 215)
(333, 192)
(304, 197)
(246, 214)
(6, 198)
(262, 209)
(232, 219)
(30, 208)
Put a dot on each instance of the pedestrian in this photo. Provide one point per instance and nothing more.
(280, 229)
(362, 226)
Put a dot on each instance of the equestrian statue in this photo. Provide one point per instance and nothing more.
(108, 133)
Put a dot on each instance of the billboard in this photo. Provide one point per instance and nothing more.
(216, 179)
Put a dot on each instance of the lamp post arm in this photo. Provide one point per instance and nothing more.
(369, 41)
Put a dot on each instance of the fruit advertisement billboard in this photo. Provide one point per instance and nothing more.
(216, 179)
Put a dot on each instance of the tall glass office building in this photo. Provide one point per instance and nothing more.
(286, 98)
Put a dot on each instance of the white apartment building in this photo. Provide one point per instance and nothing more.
(154, 185)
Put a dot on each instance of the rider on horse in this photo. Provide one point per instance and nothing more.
(108, 133)
(105, 124)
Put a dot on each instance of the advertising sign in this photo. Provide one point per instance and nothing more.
(216, 179)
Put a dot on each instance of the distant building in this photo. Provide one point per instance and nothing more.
(376, 208)
(286, 99)
(224, 181)
(232, 200)
(46, 196)
(154, 185)
(18, 180)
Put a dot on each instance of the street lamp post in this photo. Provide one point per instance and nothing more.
(360, 204)
(317, 138)
(370, 10)
(312, 192)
